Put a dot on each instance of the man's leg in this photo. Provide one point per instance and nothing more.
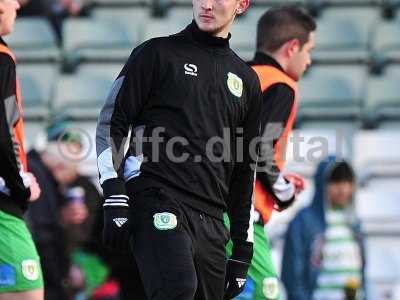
(20, 271)
(28, 295)
(162, 247)
(211, 237)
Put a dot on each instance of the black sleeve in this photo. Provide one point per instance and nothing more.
(242, 182)
(9, 170)
(129, 94)
(278, 101)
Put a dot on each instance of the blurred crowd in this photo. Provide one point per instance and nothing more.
(66, 225)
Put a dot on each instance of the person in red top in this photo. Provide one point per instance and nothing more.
(20, 273)
(285, 39)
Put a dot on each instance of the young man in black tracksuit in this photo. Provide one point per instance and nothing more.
(193, 107)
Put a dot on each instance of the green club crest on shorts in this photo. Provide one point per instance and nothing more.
(165, 221)
(271, 288)
(30, 269)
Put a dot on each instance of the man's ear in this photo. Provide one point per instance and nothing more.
(291, 47)
(243, 5)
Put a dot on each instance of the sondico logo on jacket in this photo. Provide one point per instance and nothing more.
(235, 84)
(190, 69)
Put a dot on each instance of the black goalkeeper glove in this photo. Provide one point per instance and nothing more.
(236, 269)
(116, 222)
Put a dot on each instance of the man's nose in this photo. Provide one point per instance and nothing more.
(207, 4)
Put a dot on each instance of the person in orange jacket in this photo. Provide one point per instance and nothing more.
(20, 272)
(285, 39)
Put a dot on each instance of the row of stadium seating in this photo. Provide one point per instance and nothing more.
(321, 3)
(351, 36)
(329, 93)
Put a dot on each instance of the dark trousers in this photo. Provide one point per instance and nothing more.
(179, 251)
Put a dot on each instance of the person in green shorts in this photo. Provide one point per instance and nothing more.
(285, 40)
(20, 272)
(262, 280)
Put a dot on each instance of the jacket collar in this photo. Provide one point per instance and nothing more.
(205, 39)
(2, 42)
(261, 58)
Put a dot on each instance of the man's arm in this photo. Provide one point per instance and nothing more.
(128, 95)
(126, 99)
(240, 199)
(10, 169)
(278, 101)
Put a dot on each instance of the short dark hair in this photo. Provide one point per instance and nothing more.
(341, 171)
(280, 25)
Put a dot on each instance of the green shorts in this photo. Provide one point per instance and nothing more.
(262, 282)
(19, 262)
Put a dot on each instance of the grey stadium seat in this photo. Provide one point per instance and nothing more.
(382, 99)
(376, 153)
(386, 41)
(243, 40)
(379, 201)
(125, 3)
(33, 40)
(81, 96)
(162, 27)
(340, 40)
(331, 93)
(96, 40)
(306, 147)
(132, 19)
(37, 88)
(383, 265)
(93, 69)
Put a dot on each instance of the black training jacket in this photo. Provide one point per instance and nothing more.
(14, 188)
(183, 90)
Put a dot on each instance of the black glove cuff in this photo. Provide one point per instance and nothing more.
(113, 186)
(242, 251)
(285, 204)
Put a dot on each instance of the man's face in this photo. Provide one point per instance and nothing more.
(300, 59)
(216, 16)
(340, 193)
(7, 18)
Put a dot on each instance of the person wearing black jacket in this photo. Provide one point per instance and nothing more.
(20, 272)
(193, 109)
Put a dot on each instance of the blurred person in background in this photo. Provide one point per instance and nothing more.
(285, 40)
(323, 254)
(20, 271)
(63, 221)
(48, 233)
